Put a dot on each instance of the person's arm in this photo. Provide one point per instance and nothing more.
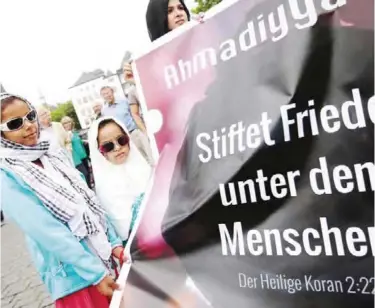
(135, 112)
(113, 237)
(134, 109)
(116, 243)
(35, 220)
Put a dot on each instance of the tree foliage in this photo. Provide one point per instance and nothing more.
(65, 109)
(204, 5)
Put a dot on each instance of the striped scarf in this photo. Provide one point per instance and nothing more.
(60, 201)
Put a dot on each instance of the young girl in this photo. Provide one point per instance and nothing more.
(69, 237)
(121, 173)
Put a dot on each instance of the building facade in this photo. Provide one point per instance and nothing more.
(86, 91)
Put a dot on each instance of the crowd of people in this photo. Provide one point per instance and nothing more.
(76, 233)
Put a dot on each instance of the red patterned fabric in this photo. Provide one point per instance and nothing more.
(85, 298)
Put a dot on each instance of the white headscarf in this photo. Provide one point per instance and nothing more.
(118, 186)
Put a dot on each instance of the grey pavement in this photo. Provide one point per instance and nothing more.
(21, 286)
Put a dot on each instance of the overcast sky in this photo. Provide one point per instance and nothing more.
(47, 44)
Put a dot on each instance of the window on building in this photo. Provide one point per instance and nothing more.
(83, 112)
(114, 89)
(90, 99)
(85, 100)
(87, 122)
(111, 80)
(79, 101)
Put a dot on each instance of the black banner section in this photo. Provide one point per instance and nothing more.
(272, 202)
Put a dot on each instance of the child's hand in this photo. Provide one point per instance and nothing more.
(199, 18)
(107, 286)
(119, 253)
(128, 72)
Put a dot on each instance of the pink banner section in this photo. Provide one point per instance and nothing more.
(177, 75)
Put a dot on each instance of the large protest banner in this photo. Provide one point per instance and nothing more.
(264, 191)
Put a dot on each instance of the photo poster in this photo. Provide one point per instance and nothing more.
(263, 195)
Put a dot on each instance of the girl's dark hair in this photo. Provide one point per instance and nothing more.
(5, 102)
(157, 18)
(105, 123)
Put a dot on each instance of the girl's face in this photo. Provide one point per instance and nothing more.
(26, 134)
(176, 14)
(113, 143)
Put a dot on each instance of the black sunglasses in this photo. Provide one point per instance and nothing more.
(18, 123)
(107, 147)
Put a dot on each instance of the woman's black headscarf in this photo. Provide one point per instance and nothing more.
(157, 18)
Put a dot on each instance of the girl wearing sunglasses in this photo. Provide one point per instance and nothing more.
(69, 237)
(121, 173)
(21, 129)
